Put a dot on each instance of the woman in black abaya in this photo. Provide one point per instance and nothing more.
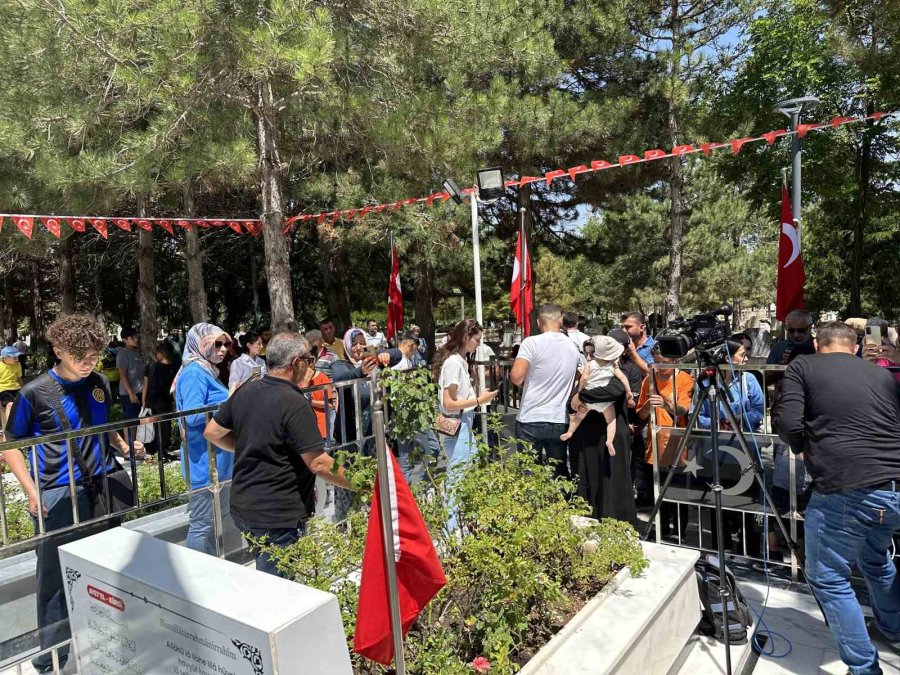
(604, 481)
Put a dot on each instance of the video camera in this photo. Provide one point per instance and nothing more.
(703, 333)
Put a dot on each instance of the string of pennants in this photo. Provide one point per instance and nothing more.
(101, 224)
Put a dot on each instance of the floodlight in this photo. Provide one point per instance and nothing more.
(490, 184)
(452, 188)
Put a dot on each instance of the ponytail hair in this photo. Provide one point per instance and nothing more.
(464, 330)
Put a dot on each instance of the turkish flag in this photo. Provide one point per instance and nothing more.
(24, 223)
(122, 224)
(53, 225)
(77, 224)
(791, 275)
(236, 226)
(186, 224)
(144, 224)
(99, 224)
(521, 292)
(167, 226)
(395, 297)
(419, 572)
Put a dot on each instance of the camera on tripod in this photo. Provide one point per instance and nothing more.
(705, 333)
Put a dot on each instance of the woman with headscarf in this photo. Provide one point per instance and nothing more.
(357, 364)
(197, 385)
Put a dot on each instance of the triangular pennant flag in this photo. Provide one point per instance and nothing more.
(122, 224)
(738, 143)
(679, 150)
(655, 154)
(25, 224)
(99, 224)
(167, 226)
(53, 225)
(77, 224)
(550, 176)
(770, 136)
(144, 224)
(186, 224)
(600, 164)
(236, 226)
(575, 170)
(217, 223)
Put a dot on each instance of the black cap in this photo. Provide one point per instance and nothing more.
(128, 332)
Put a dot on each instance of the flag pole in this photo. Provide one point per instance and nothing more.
(387, 525)
(522, 267)
(390, 317)
(479, 313)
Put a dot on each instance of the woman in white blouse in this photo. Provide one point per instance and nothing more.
(248, 364)
(457, 397)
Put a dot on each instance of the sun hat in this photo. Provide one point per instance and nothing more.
(10, 352)
(607, 348)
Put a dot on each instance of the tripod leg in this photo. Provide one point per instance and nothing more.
(755, 466)
(724, 590)
(682, 444)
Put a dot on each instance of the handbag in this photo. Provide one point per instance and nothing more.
(447, 426)
(146, 432)
(116, 492)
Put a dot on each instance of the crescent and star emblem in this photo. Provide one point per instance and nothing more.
(790, 231)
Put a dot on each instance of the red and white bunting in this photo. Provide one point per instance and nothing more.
(25, 224)
(53, 225)
(254, 227)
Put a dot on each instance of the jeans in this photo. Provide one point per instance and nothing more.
(201, 534)
(130, 411)
(425, 441)
(279, 537)
(459, 450)
(854, 526)
(544, 437)
(52, 613)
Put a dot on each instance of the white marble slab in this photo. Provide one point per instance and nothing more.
(640, 626)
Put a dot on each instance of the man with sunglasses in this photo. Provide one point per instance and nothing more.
(798, 326)
(271, 428)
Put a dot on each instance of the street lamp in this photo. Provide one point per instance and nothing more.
(792, 108)
(462, 302)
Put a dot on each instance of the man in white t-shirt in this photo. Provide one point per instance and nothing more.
(570, 322)
(546, 367)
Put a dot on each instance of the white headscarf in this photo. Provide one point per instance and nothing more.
(199, 348)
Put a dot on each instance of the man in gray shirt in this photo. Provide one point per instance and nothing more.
(131, 364)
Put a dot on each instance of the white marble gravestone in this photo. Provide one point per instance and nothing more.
(142, 606)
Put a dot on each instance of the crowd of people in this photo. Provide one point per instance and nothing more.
(585, 404)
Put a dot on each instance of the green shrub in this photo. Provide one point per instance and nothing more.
(518, 575)
(150, 488)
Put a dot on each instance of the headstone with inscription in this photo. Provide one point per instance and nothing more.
(142, 606)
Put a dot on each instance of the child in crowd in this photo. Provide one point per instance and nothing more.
(10, 381)
(598, 372)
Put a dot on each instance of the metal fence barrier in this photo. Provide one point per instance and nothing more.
(347, 426)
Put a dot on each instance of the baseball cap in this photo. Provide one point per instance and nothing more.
(10, 351)
(128, 332)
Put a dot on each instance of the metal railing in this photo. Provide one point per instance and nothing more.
(347, 426)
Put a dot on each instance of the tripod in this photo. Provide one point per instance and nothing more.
(711, 388)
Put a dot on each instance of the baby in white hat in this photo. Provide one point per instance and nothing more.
(598, 373)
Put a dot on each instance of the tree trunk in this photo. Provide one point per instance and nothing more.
(193, 258)
(254, 284)
(146, 293)
(278, 270)
(337, 290)
(67, 274)
(423, 286)
(676, 230)
(863, 172)
(36, 317)
(12, 330)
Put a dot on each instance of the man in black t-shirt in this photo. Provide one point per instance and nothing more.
(843, 414)
(271, 427)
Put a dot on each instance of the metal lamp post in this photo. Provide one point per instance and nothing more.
(793, 108)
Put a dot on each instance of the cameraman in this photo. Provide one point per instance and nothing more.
(843, 414)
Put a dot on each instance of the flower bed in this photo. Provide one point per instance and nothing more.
(522, 570)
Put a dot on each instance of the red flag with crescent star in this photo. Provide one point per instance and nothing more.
(791, 274)
(395, 298)
(521, 292)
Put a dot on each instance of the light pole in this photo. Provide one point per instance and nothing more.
(792, 108)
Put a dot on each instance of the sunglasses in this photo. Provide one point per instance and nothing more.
(798, 331)
(308, 359)
(218, 344)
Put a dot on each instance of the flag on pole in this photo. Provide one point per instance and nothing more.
(521, 292)
(791, 275)
(395, 297)
(419, 572)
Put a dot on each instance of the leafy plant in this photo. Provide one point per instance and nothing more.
(519, 572)
(412, 397)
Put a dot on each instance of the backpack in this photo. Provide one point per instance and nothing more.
(708, 580)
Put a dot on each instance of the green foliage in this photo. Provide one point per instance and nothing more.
(518, 574)
(150, 487)
(412, 397)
